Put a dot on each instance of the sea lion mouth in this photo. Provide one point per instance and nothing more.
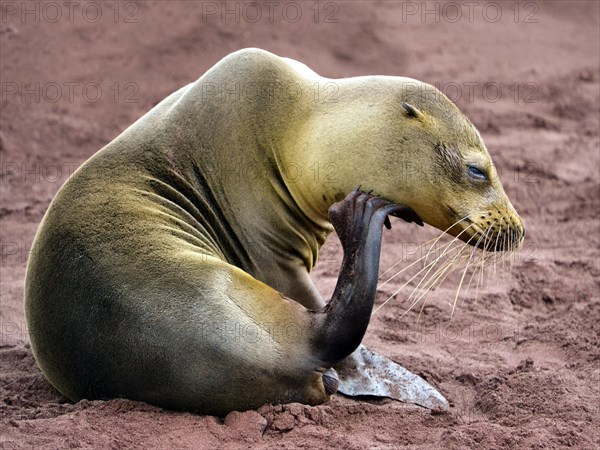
(497, 237)
(405, 213)
(408, 215)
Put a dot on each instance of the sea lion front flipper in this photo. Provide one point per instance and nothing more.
(367, 373)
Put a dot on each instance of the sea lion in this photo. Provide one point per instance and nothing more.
(173, 266)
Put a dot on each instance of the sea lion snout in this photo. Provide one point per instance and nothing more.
(501, 233)
(495, 228)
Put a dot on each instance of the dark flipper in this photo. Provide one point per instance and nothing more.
(341, 324)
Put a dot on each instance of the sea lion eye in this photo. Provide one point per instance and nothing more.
(477, 173)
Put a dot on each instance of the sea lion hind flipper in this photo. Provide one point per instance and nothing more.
(341, 324)
(358, 220)
(366, 373)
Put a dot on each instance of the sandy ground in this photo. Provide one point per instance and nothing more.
(519, 362)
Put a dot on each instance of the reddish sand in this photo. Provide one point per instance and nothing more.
(520, 362)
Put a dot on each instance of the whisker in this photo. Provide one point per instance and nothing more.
(405, 284)
(451, 268)
(415, 262)
(513, 252)
(447, 229)
(436, 280)
(475, 249)
(401, 271)
(438, 277)
(430, 266)
(462, 278)
(452, 263)
(496, 246)
(483, 259)
(431, 281)
(475, 268)
(401, 259)
(505, 246)
(500, 253)
(438, 258)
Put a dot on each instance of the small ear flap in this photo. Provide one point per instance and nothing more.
(411, 111)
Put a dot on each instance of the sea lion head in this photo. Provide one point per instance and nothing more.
(444, 171)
